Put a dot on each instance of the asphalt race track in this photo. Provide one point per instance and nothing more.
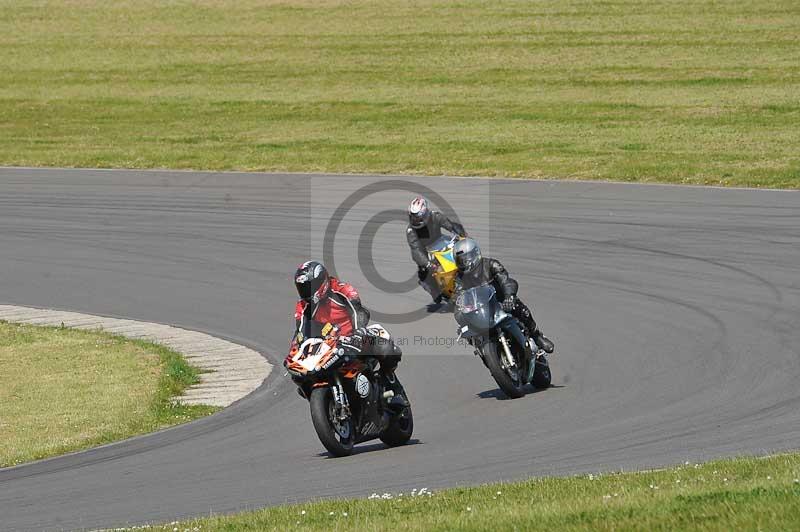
(675, 313)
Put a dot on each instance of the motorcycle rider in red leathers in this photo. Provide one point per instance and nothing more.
(325, 299)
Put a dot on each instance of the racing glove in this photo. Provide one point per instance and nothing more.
(422, 272)
(355, 340)
(509, 303)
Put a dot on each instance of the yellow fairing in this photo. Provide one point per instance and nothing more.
(446, 273)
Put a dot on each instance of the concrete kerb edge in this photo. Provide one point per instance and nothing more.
(247, 368)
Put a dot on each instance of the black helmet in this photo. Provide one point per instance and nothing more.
(312, 281)
(419, 212)
(467, 254)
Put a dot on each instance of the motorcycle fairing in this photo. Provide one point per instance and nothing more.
(441, 252)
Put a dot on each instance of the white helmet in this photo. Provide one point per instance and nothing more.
(467, 254)
(419, 212)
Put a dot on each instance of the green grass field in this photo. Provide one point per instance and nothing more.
(675, 91)
(63, 390)
(741, 494)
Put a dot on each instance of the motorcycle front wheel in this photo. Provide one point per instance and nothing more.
(511, 387)
(336, 435)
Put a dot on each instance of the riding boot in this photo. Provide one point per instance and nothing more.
(542, 342)
(428, 283)
(526, 316)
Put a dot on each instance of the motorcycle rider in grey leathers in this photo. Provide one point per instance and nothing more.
(425, 227)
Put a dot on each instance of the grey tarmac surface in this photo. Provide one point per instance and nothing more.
(675, 313)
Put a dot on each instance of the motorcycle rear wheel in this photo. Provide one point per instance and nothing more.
(400, 429)
(339, 442)
(491, 356)
(541, 376)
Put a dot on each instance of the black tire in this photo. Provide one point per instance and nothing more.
(400, 429)
(321, 408)
(492, 358)
(541, 376)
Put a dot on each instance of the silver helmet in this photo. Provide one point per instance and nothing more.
(467, 254)
(419, 212)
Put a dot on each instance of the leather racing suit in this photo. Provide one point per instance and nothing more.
(491, 271)
(342, 308)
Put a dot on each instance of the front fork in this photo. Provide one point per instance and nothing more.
(527, 363)
(508, 358)
(342, 408)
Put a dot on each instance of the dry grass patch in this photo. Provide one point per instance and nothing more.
(739, 494)
(640, 90)
(62, 390)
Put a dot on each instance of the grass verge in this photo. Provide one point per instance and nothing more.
(63, 390)
(677, 91)
(735, 494)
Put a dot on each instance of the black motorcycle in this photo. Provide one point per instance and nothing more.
(348, 402)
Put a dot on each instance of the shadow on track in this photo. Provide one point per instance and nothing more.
(498, 394)
(372, 447)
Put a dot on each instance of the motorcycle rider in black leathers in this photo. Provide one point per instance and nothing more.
(475, 270)
(425, 227)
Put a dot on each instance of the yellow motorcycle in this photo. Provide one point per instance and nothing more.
(440, 254)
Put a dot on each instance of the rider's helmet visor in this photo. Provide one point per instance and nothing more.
(466, 260)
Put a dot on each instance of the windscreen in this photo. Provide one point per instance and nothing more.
(439, 244)
(474, 298)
